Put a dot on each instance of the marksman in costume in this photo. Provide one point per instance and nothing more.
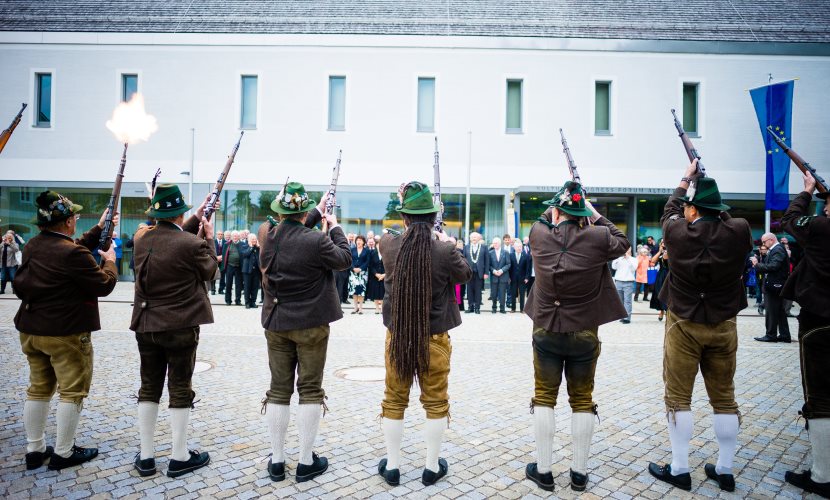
(58, 284)
(572, 296)
(173, 260)
(809, 285)
(419, 309)
(298, 266)
(704, 292)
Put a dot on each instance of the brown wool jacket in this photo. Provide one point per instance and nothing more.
(809, 284)
(449, 267)
(59, 283)
(705, 280)
(573, 289)
(298, 265)
(171, 267)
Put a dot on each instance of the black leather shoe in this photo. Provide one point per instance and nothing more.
(197, 460)
(35, 459)
(79, 455)
(766, 339)
(276, 471)
(309, 472)
(725, 481)
(478, 311)
(663, 473)
(392, 476)
(805, 482)
(146, 467)
(578, 481)
(429, 477)
(625, 321)
(544, 481)
(784, 340)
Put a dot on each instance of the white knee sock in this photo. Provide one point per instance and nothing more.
(726, 430)
(393, 433)
(34, 420)
(820, 444)
(680, 433)
(67, 417)
(582, 428)
(148, 413)
(179, 420)
(308, 421)
(544, 426)
(433, 434)
(277, 417)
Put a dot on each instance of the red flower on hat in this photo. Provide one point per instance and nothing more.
(577, 197)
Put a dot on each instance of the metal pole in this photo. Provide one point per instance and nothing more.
(192, 162)
(467, 203)
(767, 220)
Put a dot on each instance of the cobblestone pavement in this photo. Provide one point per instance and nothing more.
(487, 445)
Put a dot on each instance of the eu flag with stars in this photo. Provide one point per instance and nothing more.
(774, 107)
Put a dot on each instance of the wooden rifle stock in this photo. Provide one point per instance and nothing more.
(6, 134)
(106, 233)
(691, 152)
(802, 165)
(220, 183)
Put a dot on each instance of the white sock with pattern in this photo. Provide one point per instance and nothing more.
(820, 443)
(433, 434)
(34, 420)
(726, 430)
(308, 421)
(582, 428)
(680, 433)
(148, 414)
(67, 416)
(277, 417)
(179, 420)
(393, 434)
(544, 426)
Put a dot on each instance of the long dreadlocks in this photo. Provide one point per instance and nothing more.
(412, 298)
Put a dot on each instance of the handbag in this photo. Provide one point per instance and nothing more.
(651, 275)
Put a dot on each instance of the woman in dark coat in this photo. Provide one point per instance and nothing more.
(357, 278)
(662, 258)
(374, 282)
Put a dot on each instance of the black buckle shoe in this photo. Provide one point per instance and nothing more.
(276, 471)
(805, 482)
(663, 473)
(725, 481)
(544, 481)
(430, 477)
(578, 481)
(146, 467)
(35, 459)
(309, 472)
(79, 455)
(392, 476)
(197, 460)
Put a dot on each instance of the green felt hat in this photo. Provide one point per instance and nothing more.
(167, 202)
(571, 200)
(417, 199)
(54, 207)
(704, 193)
(293, 199)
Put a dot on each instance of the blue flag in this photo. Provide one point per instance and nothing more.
(774, 107)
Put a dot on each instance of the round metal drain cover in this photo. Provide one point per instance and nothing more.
(202, 366)
(362, 373)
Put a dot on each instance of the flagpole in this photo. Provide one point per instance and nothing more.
(469, 168)
(767, 219)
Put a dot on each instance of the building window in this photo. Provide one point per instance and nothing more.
(514, 106)
(129, 86)
(602, 108)
(426, 104)
(690, 92)
(337, 103)
(25, 195)
(249, 102)
(43, 112)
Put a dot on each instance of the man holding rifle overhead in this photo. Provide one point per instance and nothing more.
(704, 292)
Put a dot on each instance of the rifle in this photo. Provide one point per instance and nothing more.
(220, 183)
(6, 134)
(571, 164)
(436, 195)
(333, 188)
(691, 152)
(106, 233)
(802, 165)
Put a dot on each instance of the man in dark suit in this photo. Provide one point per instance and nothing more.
(704, 292)
(499, 274)
(776, 271)
(518, 270)
(298, 266)
(251, 275)
(173, 259)
(478, 258)
(58, 284)
(232, 260)
(220, 255)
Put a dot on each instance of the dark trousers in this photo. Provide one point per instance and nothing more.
(645, 287)
(517, 292)
(814, 344)
(233, 278)
(172, 353)
(498, 290)
(251, 287)
(341, 281)
(474, 287)
(222, 280)
(776, 316)
(7, 276)
(575, 354)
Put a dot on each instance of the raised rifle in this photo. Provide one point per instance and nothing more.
(436, 195)
(691, 152)
(335, 175)
(6, 134)
(106, 233)
(220, 183)
(802, 165)
(571, 164)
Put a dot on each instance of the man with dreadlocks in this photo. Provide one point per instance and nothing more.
(573, 294)
(419, 309)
